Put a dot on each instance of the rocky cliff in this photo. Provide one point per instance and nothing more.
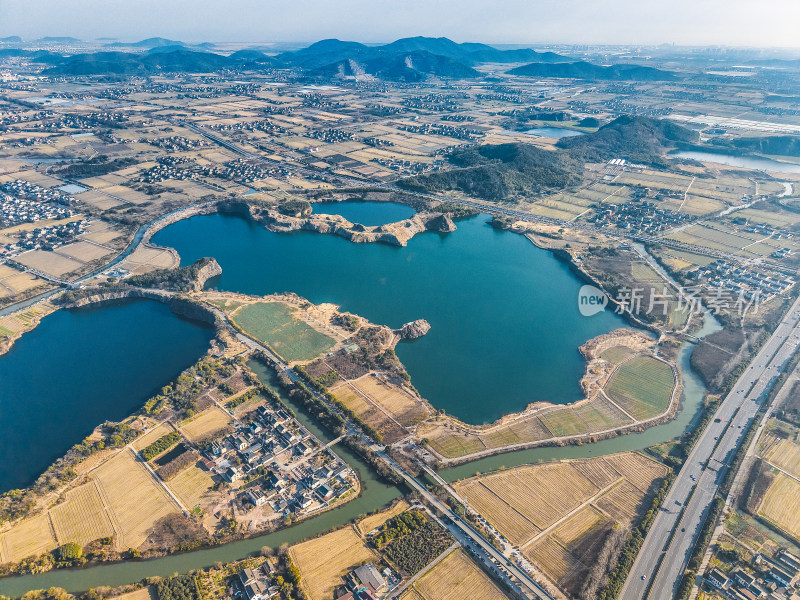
(413, 330)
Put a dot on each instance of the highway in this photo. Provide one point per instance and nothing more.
(661, 562)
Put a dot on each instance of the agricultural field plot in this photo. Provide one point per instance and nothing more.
(522, 502)
(773, 215)
(596, 415)
(456, 577)
(209, 422)
(276, 324)
(786, 456)
(617, 354)
(781, 505)
(715, 239)
(49, 262)
(142, 594)
(323, 561)
(191, 485)
(371, 522)
(369, 413)
(404, 407)
(28, 538)
(17, 283)
(126, 487)
(151, 436)
(84, 251)
(81, 517)
(642, 387)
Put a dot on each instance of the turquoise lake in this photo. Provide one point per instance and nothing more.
(505, 326)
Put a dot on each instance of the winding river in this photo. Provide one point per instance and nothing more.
(514, 310)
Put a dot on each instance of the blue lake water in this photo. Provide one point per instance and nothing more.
(553, 132)
(82, 367)
(366, 213)
(505, 326)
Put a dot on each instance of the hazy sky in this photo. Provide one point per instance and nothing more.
(689, 22)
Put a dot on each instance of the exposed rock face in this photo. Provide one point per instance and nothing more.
(396, 234)
(414, 329)
(210, 269)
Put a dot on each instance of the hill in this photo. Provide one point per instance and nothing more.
(411, 66)
(126, 63)
(500, 172)
(638, 139)
(11, 39)
(585, 70)
(152, 42)
(332, 51)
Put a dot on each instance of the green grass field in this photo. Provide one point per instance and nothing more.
(642, 386)
(275, 324)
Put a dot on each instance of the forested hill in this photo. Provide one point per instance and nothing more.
(638, 139)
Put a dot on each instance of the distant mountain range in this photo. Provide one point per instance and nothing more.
(158, 42)
(408, 59)
(585, 70)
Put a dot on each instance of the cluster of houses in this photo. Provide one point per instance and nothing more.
(283, 464)
(742, 281)
(331, 136)
(639, 216)
(459, 133)
(24, 202)
(768, 578)
(46, 238)
(177, 142)
(264, 125)
(168, 167)
(242, 171)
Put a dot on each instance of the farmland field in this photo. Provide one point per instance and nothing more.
(81, 517)
(30, 537)
(324, 560)
(403, 406)
(275, 324)
(785, 455)
(562, 528)
(126, 487)
(371, 414)
(208, 422)
(190, 485)
(781, 505)
(642, 387)
(455, 578)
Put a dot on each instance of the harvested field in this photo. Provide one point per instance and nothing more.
(642, 386)
(785, 455)
(275, 324)
(151, 436)
(522, 502)
(29, 538)
(371, 414)
(367, 524)
(48, 262)
(126, 487)
(455, 578)
(404, 407)
(781, 505)
(83, 251)
(209, 422)
(142, 594)
(191, 484)
(81, 517)
(342, 550)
